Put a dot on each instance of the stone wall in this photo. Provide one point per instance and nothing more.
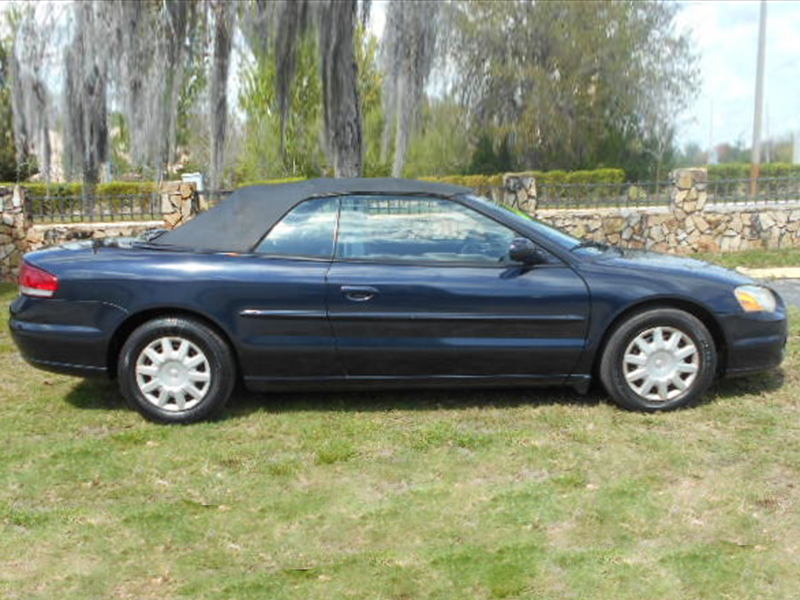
(13, 228)
(690, 223)
(178, 202)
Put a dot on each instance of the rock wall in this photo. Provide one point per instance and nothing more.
(690, 223)
(13, 227)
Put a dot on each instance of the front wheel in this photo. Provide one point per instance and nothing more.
(176, 370)
(660, 359)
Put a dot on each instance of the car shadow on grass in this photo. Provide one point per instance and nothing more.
(736, 387)
(422, 400)
(98, 394)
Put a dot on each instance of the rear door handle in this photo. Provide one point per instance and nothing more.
(359, 293)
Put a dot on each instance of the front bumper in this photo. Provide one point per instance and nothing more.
(754, 341)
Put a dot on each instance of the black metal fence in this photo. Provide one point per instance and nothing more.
(769, 190)
(76, 209)
(603, 195)
(554, 196)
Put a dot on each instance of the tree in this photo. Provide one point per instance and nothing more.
(409, 46)
(300, 153)
(579, 84)
(86, 132)
(692, 155)
(8, 155)
(29, 99)
(335, 21)
(223, 40)
(442, 145)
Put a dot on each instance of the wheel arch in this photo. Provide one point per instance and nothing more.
(694, 309)
(130, 324)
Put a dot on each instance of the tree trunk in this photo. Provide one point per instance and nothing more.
(223, 38)
(343, 125)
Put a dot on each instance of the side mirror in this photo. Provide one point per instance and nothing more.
(525, 251)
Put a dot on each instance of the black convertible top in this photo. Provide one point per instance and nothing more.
(238, 223)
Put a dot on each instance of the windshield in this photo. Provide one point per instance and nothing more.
(563, 240)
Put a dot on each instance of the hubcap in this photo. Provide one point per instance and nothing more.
(173, 374)
(661, 363)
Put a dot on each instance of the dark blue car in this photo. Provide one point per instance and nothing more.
(378, 283)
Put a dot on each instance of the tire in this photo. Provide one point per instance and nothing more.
(658, 360)
(176, 370)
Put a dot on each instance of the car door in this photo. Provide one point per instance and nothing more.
(424, 287)
(281, 314)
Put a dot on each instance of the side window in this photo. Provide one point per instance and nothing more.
(419, 229)
(307, 230)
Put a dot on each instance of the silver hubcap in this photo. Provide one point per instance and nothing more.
(661, 363)
(173, 374)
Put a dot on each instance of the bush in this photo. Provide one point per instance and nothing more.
(272, 181)
(742, 171)
(74, 190)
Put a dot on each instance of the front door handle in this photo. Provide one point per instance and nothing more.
(359, 293)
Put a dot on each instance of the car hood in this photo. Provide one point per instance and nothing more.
(666, 264)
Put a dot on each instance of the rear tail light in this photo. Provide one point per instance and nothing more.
(34, 281)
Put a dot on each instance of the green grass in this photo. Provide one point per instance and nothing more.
(755, 259)
(412, 495)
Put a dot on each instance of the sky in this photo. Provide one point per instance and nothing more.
(725, 35)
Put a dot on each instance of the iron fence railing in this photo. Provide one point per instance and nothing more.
(768, 190)
(554, 196)
(72, 209)
(601, 195)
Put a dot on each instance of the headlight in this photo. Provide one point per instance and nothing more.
(754, 298)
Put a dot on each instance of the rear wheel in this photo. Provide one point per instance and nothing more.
(176, 370)
(660, 359)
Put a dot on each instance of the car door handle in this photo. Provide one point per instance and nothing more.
(359, 293)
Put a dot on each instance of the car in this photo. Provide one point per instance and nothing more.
(376, 283)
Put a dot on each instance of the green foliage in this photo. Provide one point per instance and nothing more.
(441, 145)
(733, 153)
(479, 183)
(742, 170)
(271, 181)
(486, 160)
(482, 183)
(75, 189)
(692, 155)
(578, 84)
(302, 153)
(370, 86)
(9, 169)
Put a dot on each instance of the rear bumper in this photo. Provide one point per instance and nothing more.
(64, 337)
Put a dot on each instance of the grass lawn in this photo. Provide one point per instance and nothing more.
(756, 259)
(406, 495)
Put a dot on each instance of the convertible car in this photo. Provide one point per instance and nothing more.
(378, 283)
